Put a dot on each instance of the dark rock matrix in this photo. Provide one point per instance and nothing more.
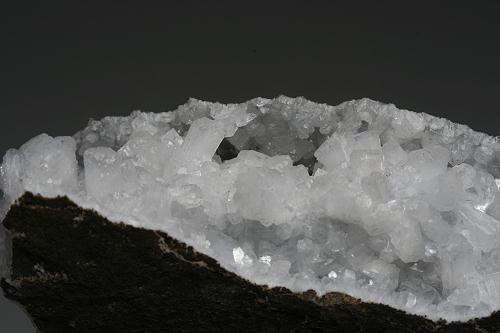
(75, 271)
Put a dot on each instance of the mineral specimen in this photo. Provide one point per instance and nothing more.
(382, 204)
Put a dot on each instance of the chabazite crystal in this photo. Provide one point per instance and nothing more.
(383, 204)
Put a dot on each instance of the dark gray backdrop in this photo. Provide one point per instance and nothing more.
(62, 63)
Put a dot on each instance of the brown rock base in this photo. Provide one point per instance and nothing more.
(75, 271)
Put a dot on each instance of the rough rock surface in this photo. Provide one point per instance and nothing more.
(75, 271)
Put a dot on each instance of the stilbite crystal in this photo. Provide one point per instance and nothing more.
(383, 204)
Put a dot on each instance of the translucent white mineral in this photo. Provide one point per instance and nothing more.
(384, 204)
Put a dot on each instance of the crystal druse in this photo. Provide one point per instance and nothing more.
(382, 204)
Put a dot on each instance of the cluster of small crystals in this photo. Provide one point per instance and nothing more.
(380, 203)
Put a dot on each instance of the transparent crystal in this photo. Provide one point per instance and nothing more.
(384, 204)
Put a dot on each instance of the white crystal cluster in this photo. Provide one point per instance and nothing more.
(388, 205)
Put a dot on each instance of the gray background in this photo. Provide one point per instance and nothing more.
(62, 63)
